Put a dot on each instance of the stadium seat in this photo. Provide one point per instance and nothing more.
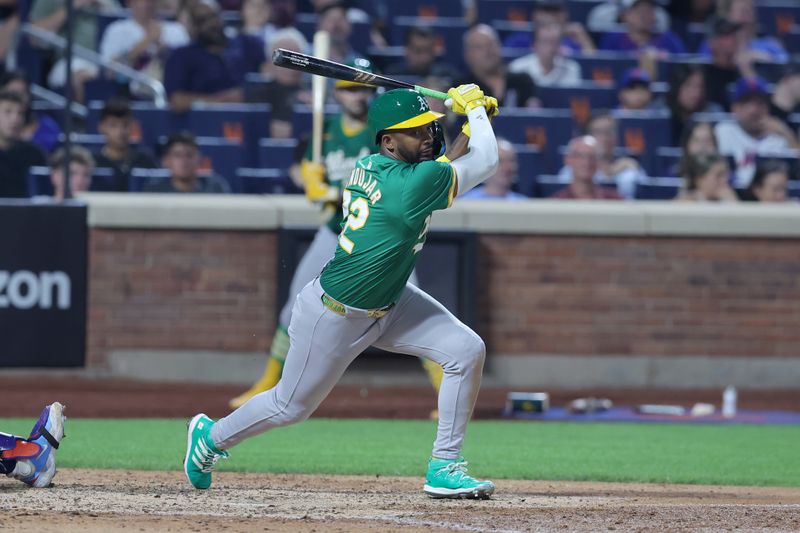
(777, 17)
(641, 133)
(791, 40)
(265, 181)
(667, 158)
(276, 153)
(581, 100)
(579, 9)
(223, 157)
(141, 176)
(450, 31)
(150, 122)
(547, 185)
(604, 66)
(359, 37)
(528, 167)
(39, 184)
(546, 129)
(242, 123)
(794, 190)
(424, 8)
(789, 157)
(301, 119)
(658, 188)
(91, 141)
(383, 57)
(504, 10)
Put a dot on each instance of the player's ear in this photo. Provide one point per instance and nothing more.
(388, 142)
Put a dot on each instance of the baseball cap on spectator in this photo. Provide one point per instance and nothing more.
(749, 88)
(720, 26)
(627, 4)
(633, 77)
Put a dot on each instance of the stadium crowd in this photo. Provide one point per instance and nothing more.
(620, 99)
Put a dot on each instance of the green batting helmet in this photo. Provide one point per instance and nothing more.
(399, 109)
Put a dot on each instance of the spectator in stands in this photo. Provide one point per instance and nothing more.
(769, 183)
(786, 95)
(51, 15)
(753, 132)
(634, 91)
(546, 12)
(607, 17)
(39, 128)
(623, 172)
(81, 166)
(706, 180)
(641, 34)
(743, 13)
(255, 19)
(486, 68)
(16, 155)
(118, 154)
(546, 66)
(581, 164)
(356, 15)
(687, 96)
(213, 67)
(726, 66)
(142, 41)
(285, 87)
(498, 186)
(333, 19)
(698, 138)
(421, 51)
(9, 23)
(181, 156)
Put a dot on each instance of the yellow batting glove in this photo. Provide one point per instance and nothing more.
(313, 177)
(465, 98)
(492, 110)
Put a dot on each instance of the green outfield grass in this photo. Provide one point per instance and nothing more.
(670, 453)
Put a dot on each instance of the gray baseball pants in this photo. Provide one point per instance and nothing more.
(323, 343)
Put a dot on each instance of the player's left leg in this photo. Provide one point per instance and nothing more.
(421, 326)
(318, 254)
(432, 368)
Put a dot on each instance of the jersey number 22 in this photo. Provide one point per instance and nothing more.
(356, 213)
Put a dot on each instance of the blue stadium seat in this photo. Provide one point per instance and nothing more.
(91, 141)
(641, 133)
(790, 158)
(424, 8)
(301, 119)
(39, 184)
(383, 57)
(579, 9)
(450, 30)
(658, 188)
(504, 10)
(276, 153)
(529, 166)
(777, 17)
(794, 190)
(547, 185)
(546, 129)
(243, 123)
(604, 66)
(582, 100)
(791, 40)
(265, 181)
(223, 156)
(667, 158)
(141, 176)
(29, 59)
(359, 37)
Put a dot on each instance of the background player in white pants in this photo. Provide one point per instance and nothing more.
(346, 140)
(362, 297)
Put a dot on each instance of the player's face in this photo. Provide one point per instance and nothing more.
(411, 145)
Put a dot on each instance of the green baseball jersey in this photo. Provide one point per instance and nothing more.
(340, 151)
(387, 207)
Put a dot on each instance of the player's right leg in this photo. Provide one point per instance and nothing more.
(32, 460)
(323, 344)
(319, 252)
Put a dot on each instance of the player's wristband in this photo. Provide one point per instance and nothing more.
(443, 159)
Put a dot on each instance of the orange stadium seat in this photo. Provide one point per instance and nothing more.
(605, 66)
(424, 8)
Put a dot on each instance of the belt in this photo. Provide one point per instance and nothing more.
(341, 309)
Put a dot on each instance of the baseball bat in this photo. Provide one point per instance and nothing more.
(321, 48)
(331, 69)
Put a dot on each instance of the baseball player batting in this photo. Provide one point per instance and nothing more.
(346, 139)
(362, 297)
(33, 460)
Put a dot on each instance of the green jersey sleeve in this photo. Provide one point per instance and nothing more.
(429, 186)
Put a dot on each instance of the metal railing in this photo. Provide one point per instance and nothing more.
(55, 41)
(56, 99)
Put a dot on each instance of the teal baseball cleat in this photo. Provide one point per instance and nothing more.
(201, 454)
(448, 478)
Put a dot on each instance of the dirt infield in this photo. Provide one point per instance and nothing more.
(97, 501)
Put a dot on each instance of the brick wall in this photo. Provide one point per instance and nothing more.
(640, 295)
(158, 289)
(215, 290)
